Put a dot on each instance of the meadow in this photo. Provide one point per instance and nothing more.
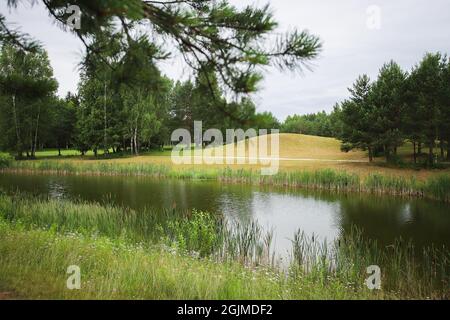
(320, 165)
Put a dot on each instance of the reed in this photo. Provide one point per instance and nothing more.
(36, 234)
(405, 269)
(34, 264)
(192, 232)
(436, 187)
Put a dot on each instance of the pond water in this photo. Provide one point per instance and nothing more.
(283, 210)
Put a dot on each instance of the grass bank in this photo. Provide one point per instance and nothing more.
(192, 255)
(434, 187)
(34, 265)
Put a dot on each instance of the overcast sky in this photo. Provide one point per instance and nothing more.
(353, 45)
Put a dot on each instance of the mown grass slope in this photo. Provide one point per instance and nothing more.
(302, 152)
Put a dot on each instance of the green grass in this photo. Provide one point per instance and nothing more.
(53, 153)
(34, 265)
(170, 255)
(434, 187)
(192, 232)
(73, 153)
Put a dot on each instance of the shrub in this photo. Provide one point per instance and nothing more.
(5, 160)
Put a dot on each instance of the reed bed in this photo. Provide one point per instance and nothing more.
(193, 232)
(435, 187)
(405, 269)
(36, 234)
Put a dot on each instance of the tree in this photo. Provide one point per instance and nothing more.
(27, 87)
(316, 124)
(63, 121)
(92, 122)
(427, 78)
(335, 120)
(232, 43)
(181, 106)
(444, 126)
(388, 99)
(414, 113)
(357, 116)
(266, 120)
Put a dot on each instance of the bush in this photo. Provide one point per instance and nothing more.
(5, 161)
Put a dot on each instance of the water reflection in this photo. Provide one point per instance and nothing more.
(282, 209)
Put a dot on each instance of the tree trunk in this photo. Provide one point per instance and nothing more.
(441, 145)
(19, 143)
(131, 143)
(387, 153)
(59, 151)
(136, 147)
(448, 150)
(105, 119)
(414, 154)
(370, 154)
(33, 151)
(431, 153)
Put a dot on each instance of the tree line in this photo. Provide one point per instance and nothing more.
(123, 102)
(401, 106)
(382, 115)
(125, 106)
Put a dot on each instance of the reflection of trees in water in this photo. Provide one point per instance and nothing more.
(387, 218)
(380, 217)
(236, 202)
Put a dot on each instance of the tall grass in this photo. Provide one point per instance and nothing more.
(321, 268)
(411, 271)
(33, 264)
(436, 187)
(193, 232)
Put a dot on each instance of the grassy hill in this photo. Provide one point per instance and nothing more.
(297, 152)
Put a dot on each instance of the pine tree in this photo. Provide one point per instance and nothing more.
(357, 116)
(388, 99)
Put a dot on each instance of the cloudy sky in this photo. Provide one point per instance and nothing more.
(358, 37)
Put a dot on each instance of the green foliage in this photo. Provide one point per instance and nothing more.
(316, 124)
(232, 43)
(358, 117)
(5, 161)
(388, 102)
(199, 233)
(27, 88)
(381, 116)
(121, 256)
(351, 253)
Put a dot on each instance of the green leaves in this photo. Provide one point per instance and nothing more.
(15, 37)
(232, 42)
(26, 86)
(294, 50)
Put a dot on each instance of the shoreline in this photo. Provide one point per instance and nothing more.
(436, 187)
(132, 255)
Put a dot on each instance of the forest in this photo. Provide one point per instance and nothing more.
(398, 107)
(134, 107)
(131, 109)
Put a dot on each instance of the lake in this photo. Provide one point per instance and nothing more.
(283, 210)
